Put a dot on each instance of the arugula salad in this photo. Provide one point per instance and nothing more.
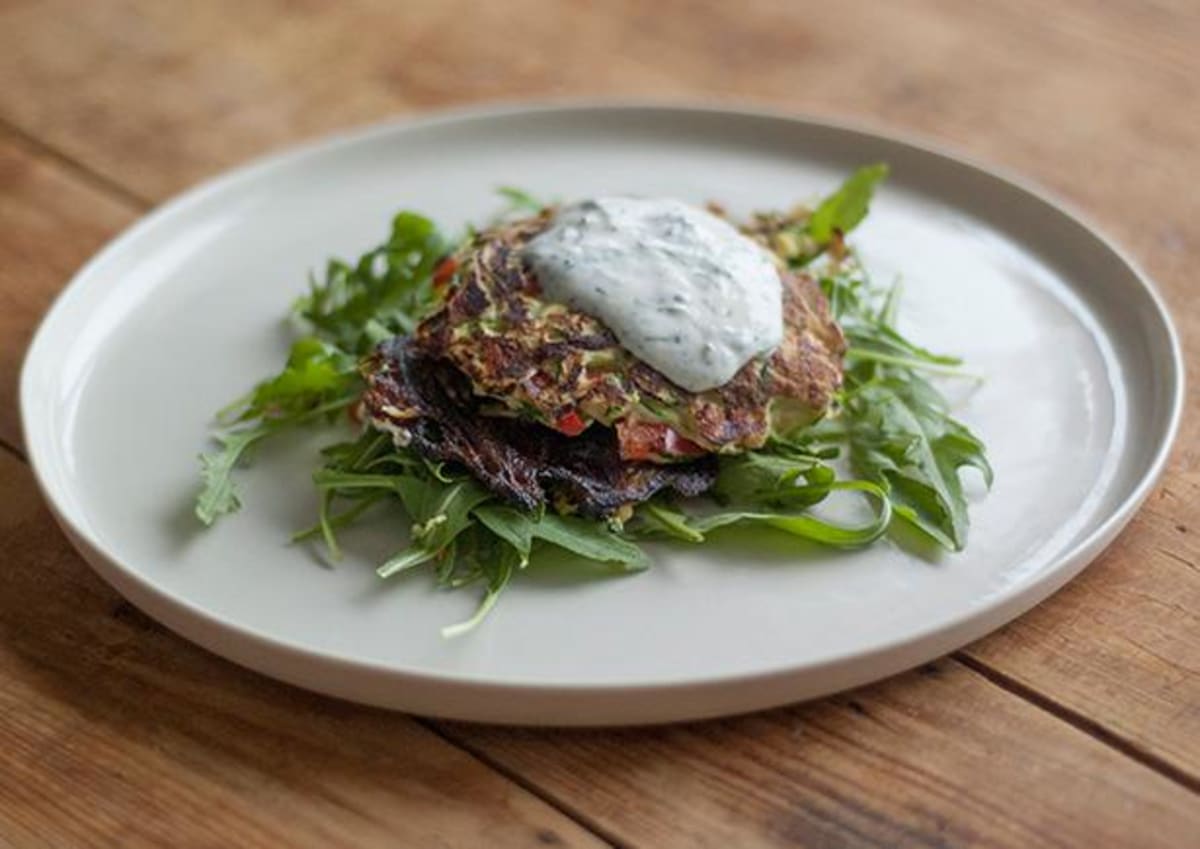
(582, 377)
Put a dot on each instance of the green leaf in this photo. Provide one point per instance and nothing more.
(586, 537)
(844, 209)
(848, 293)
(513, 527)
(316, 374)
(773, 487)
(317, 381)
(868, 338)
(810, 527)
(762, 479)
(591, 539)
(218, 495)
(332, 479)
(658, 519)
(896, 423)
(520, 200)
(439, 513)
(497, 563)
(901, 436)
(357, 306)
(385, 293)
(330, 522)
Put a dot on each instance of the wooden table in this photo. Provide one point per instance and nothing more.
(1077, 726)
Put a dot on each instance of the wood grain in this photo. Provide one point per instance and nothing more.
(157, 95)
(1071, 93)
(1095, 99)
(117, 733)
(116, 730)
(1119, 645)
(934, 758)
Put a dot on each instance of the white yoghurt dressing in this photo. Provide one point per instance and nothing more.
(681, 289)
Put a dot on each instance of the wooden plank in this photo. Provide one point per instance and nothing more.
(1119, 645)
(1100, 107)
(159, 95)
(116, 732)
(934, 758)
(50, 223)
(1098, 103)
(195, 88)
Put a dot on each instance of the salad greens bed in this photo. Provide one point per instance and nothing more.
(889, 422)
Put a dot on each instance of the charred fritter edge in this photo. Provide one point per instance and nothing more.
(427, 404)
(566, 369)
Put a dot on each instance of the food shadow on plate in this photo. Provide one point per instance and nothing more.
(765, 547)
(180, 522)
(383, 533)
(366, 547)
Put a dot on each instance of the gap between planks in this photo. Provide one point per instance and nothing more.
(994, 676)
(85, 172)
(1080, 722)
(564, 807)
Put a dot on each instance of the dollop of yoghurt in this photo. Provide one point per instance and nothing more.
(681, 289)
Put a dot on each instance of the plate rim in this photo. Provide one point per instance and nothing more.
(430, 688)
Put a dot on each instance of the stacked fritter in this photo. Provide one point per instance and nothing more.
(541, 404)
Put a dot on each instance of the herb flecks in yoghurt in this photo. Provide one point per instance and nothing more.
(680, 288)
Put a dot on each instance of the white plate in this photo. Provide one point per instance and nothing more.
(182, 312)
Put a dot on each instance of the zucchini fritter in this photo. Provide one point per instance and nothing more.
(558, 366)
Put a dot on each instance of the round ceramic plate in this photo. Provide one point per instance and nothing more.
(1080, 401)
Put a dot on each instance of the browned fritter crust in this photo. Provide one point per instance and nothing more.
(428, 404)
(547, 361)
